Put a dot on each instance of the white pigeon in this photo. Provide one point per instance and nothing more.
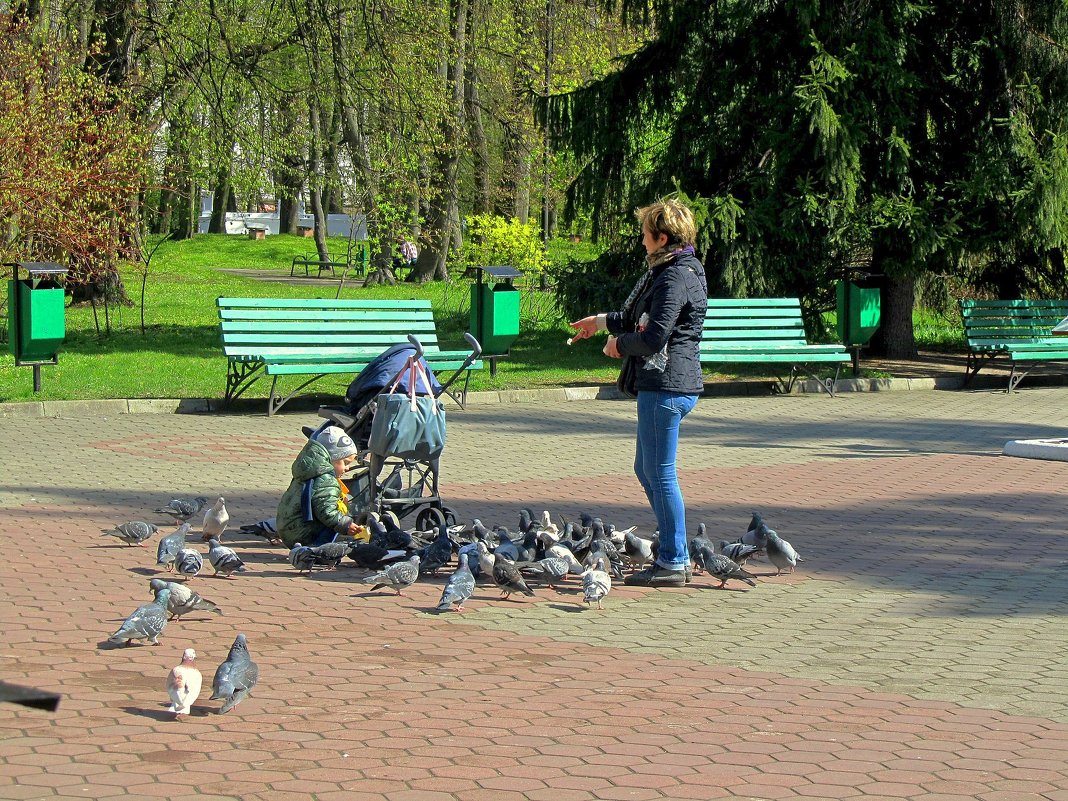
(560, 552)
(596, 583)
(215, 519)
(486, 560)
(183, 684)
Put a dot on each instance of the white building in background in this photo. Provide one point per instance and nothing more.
(238, 222)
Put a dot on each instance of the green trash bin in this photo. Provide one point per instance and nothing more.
(859, 313)
(495, 312)
(35, 313)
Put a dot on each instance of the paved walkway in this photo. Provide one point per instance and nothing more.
(918, 652)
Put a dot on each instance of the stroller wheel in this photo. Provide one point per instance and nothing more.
(450, 515)
(429, 518)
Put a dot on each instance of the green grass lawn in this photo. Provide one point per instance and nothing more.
(179, 354)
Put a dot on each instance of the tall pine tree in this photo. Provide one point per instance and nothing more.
(898, 137)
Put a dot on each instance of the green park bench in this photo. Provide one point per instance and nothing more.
(1022, 330)
(766, 331)
(304, 337)
(314, 262)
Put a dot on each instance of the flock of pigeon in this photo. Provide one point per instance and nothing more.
(238, 674)
(540, 552)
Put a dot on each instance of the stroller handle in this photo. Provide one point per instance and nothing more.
(476, 349)
(418, 347)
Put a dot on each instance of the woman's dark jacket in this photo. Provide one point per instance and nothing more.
(675, 301)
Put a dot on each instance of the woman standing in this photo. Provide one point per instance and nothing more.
(657, 333)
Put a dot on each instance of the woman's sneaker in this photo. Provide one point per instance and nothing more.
(656, 576)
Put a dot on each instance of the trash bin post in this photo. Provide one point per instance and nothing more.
(36, 326)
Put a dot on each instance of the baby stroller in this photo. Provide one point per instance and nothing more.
(408, 453)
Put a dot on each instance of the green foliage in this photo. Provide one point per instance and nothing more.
(72, 158)
(493, 240)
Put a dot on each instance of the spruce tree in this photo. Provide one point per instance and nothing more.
(896, 137)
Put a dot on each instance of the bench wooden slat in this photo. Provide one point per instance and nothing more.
(320, 303)
(314, 315)
(338, 327)
(330, 368)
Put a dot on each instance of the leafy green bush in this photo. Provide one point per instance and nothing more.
(493, 240)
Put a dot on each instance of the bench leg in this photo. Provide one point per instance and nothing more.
(275, 402)
(238, 379)
(975, 363)
(1016, 377)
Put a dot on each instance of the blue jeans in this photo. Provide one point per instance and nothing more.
(659, 415)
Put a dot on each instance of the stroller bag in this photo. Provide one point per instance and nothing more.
(407, 425)
(405, 432)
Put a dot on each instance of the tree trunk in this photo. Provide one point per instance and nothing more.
(432, 261)
(895, 338)
(289, 174)
(220, 201)
(475, 130)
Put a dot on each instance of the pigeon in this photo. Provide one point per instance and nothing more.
(435, 555)
(235, 677)
(781, 553)
(506, 548)
(266, 529)
(485, 559)
(182, 600)
(145, 622)
(183, 509)
(188, 562)
(469, 553)
(168, 547)
(737, 552)
(756, 536)
(302, 558)
(373, 557)
(720, 567)
(215, 519)
(132, 533)
(330, 554)
(508, 578)
(596, 583)
(183, 684)
(398, 576)
(480, 531)
(551, 570)
(639, 551)
(224, 560)
(391, 538)
(457, 589)
(561, 552)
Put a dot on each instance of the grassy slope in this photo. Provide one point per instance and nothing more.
(179, 354)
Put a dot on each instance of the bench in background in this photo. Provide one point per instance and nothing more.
(766, 331)
(1022, 330)
(305, 337)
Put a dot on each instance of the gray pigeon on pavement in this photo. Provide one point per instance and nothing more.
(302, 558)
(757, 536)
(596, 583)
(508, 578)
(188, 562)
(457, 589)
(235, 677)
(737, 552)
(330, 554)
(781, 553)
(168, 547)
(215, 519)
(182, 600)
(398, 576)
(132, 533)
(720, 567)
(183, 508)
(224, 560)
(551, 570)
(267, 529)
(145, 622)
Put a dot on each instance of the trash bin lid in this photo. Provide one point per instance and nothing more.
(42, 267)
(502, 271)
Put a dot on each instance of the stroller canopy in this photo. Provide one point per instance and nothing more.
(379, 373)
